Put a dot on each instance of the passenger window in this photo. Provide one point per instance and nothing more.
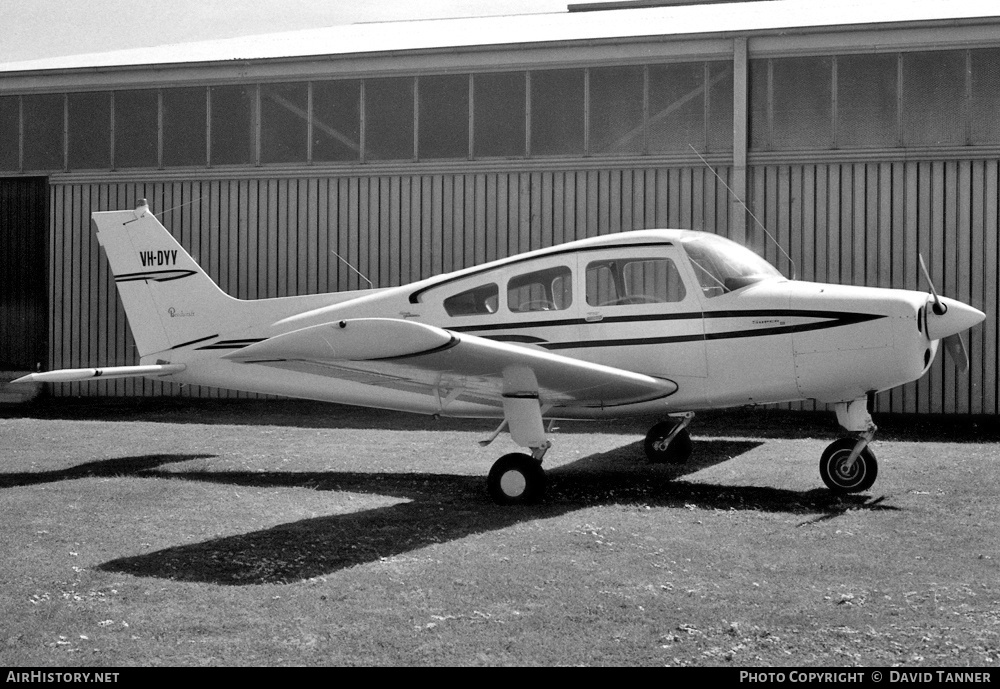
(477, 301)
(618, 282)
(542, 290)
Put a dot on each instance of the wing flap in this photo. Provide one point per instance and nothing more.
(398, 354)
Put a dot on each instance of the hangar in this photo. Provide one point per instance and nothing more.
(860, 134)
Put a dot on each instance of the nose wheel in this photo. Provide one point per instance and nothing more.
(843, 476)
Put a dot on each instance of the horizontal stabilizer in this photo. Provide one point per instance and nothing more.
(73, 375)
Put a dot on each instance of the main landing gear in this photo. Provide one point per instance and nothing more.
(518, 478)
(669, 441)
(848, 465)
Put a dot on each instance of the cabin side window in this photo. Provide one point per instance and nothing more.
(550, 289)
(625, 281)
(478, 301)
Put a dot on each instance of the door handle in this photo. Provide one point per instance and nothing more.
(594, 317)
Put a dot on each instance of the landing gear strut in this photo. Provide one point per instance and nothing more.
(518, 478)
(848, 464)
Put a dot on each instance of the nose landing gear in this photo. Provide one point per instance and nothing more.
(840, 474)
(848, 464)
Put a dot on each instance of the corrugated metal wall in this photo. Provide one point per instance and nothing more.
(854, 223)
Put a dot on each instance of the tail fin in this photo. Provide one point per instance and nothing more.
(168, 298)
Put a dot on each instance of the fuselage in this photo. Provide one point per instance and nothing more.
(693, 308)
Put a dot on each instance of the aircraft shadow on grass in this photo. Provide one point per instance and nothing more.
(438, 508)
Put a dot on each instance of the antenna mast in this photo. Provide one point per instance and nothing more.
(750, 212)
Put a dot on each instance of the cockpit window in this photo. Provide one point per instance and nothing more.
(723, 266)
(477, 301)
(541, 290)
(626, 281)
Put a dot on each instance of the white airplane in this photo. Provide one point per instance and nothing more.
(662, 322)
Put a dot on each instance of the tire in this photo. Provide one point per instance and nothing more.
(516, 479)
(677, 452)
(860, 478)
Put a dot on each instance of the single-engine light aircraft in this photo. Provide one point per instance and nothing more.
(661, 322)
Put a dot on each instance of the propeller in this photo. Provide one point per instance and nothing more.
(947, 319)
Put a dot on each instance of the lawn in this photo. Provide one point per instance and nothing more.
(218, 532)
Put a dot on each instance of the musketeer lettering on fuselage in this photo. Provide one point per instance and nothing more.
(158, 258)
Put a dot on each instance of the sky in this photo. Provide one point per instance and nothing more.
(35, 29)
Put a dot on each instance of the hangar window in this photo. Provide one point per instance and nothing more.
(616, 110)
(136, 129)
(10, 127)
(443, 117)
(867, 101)
(759, 108)
(934, 98)
(184, 126)
(557, 115)
(550, 289)
(336, 129)
(720, 106)
(389, 119)
(791, 103)
(802, 101)
(284, 115)
(499, 101)
(232, 125)
(624, 281)
(985, 96)
(677, 107)
(482, 300)
(89, 130)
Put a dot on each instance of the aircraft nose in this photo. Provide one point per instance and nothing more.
(957, 318)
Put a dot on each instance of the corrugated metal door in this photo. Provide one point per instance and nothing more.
(23, 261)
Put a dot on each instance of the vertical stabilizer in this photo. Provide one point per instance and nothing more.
(168, 298)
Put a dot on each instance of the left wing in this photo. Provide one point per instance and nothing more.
(407, 355)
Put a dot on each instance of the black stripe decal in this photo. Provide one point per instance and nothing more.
(233, 344)
(155, 275)
(434, 350)
(689, 315)
(200, 339)
(833, 319)
(841, 318)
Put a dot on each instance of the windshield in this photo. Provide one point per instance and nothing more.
(723, 266)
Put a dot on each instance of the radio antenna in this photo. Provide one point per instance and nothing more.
(359, 273)
(749, 212)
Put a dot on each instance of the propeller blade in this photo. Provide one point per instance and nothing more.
(959, 354)
(939, 308)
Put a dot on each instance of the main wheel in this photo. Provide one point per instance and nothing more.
(516, 479)
(835, 474)
(658, 450)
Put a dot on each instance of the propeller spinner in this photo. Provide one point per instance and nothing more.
(947, 319)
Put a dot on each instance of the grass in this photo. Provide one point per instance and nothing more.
(185, 532)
